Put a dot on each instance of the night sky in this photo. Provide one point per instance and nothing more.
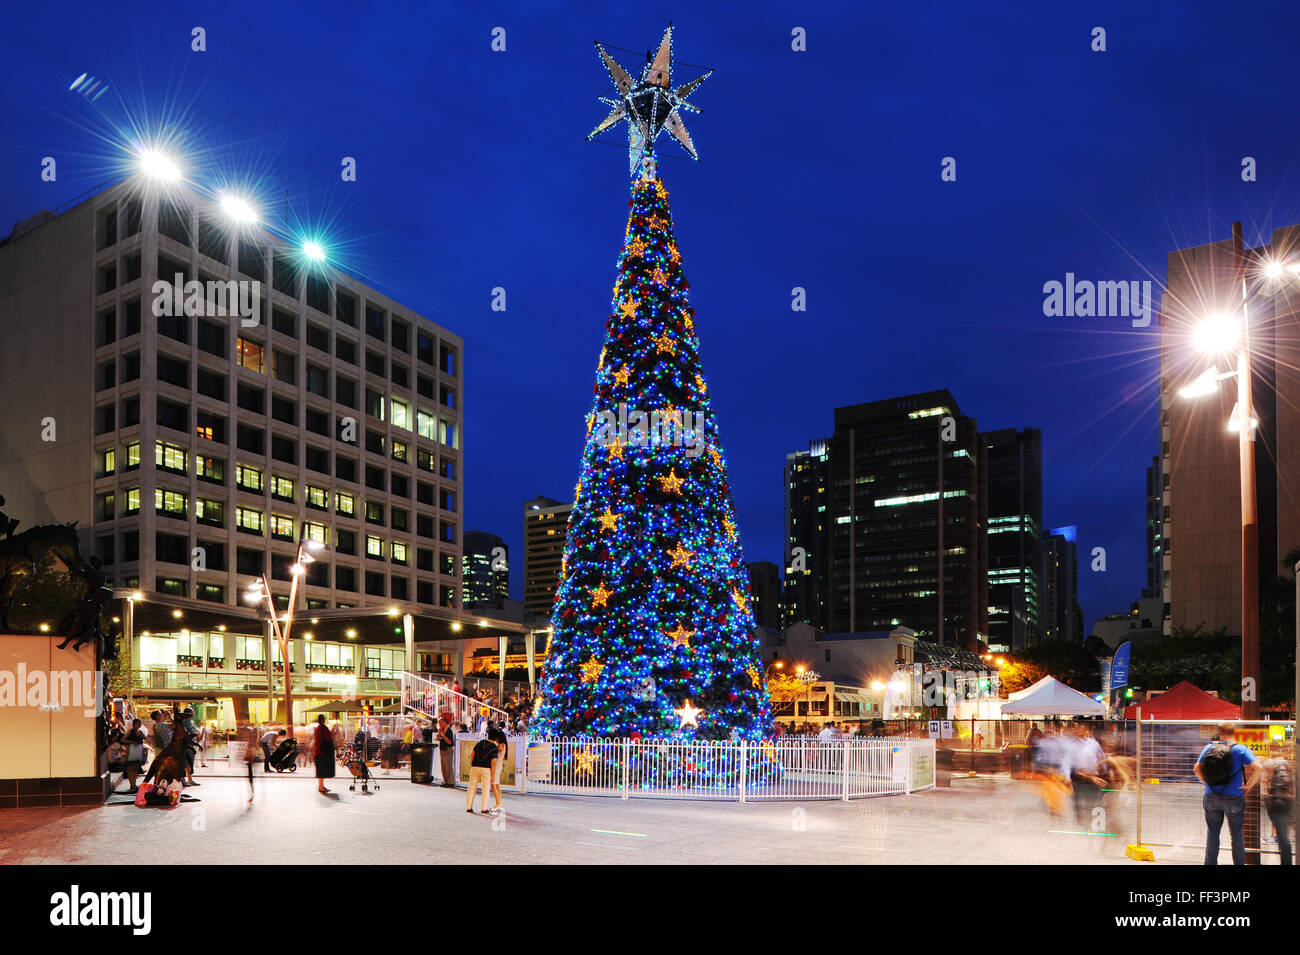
(819, 169)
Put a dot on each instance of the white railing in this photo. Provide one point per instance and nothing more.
(432, 699)
(737, 770)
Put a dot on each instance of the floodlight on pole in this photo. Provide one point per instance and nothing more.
(1207, 383)
(1234, 420)
(313, 250)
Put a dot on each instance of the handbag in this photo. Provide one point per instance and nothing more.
(135, 753)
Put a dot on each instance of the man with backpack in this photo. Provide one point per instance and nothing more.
(483, 763)
(1229, 771)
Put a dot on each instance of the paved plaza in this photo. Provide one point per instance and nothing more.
(985, 820)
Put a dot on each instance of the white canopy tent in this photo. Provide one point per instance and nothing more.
(1051, 697)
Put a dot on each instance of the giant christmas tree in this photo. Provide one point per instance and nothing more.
(652, 633)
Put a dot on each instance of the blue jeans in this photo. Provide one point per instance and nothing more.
(1216, 807)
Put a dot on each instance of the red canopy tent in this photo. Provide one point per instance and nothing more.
(1185, 701)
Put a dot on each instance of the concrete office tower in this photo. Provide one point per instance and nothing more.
(485, 570)
(1015, 476)
(765, 587)
(197, 445)
(908, 513)
(1061, 615)
(546, 523)
(807, 541)
(1155, 531)
(1200, 471)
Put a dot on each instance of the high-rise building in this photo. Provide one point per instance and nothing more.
(546, 522)
(907, 517)
(1201, 572)
(485, 570)
(765, 588)
(220, 397)
(806, 500)
(1015, 480)
(1061, 615)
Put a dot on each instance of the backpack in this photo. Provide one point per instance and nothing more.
(1216, 765)
(1281, 785)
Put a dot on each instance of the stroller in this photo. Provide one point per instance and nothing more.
(285, 757)
(356, 764)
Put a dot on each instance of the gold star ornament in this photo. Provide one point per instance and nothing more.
(689, 715)
(672, 484)
(680, 636)
(591, 670)
(609, 520)
(681, 556)
(600, 596)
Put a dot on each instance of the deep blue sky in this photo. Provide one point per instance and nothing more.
(819, 169)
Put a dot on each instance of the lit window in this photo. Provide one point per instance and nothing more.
(250, 355)
(210, 469)
(250, 479)
(131, 501)
(169, 502)
(282, 488)
(170, 457)
(400, 452)
(399, 553)
(426, 425)
(250, 520)
(374, 546)
(313, 531)
(108, 461)
(132, 456)
(282, 526)
(316, 497)
(345, 503)
(401, 414)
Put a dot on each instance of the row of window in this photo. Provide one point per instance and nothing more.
(214, 242)
(251, 520)
(175, 459)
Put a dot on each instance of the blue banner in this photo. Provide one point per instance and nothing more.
(1119, 665)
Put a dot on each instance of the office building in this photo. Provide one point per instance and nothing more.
(1201, 572)
(546, 523)
(1061, 614)
(202, 398)
(907, 516)
(1155, 531)
(765, 587)
(1015, 482)
(485, 571)
(807, 541)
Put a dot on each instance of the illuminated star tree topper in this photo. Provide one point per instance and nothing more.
(649, 105)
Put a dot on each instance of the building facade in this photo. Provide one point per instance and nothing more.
(546, 524)
(807, 541)
(1015, 480)
(196, 451)
(1062, 616)
(485, 570)
(1201, 557)
(765, 588)
(907, 515)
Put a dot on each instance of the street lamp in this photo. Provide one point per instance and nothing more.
(1219, 334)
(259, 591)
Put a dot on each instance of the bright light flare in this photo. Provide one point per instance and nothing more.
(158, 165)
(1274, 269)
(238, 209)
(1217, 334)
(1206, 384)
(313, 251)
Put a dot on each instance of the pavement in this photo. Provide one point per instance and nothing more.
(983, 820)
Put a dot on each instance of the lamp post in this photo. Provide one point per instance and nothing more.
(1219, 334)
(260, 591)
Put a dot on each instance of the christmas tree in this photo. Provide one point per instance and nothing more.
(652, 632)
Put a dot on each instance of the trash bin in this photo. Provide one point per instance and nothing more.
(421, 762)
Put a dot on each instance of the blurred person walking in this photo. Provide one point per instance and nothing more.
(1229, 771)
(1279, 802)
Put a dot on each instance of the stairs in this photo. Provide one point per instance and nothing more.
(424, 696)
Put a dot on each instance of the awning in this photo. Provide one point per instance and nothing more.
(851, 697)
(338, 706)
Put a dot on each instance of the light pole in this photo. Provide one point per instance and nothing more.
(260, 590)
(1218, 334)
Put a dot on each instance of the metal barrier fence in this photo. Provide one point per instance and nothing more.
(736, 770)
(1168, 804)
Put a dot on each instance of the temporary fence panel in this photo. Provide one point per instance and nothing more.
(1172, 813)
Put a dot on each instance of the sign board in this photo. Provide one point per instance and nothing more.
(945, 729)
(922, 767)
(933, 727)
(507, 775)
(1119, 665)
(539, 761)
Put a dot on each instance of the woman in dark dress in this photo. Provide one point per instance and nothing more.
(324, 749)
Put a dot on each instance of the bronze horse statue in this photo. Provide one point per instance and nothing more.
(21, 553)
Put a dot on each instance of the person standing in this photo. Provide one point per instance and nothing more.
(133, 741)
(1279, 801)
(1229, 771)
(503, 744)
(159, 737)
(482, 766)
(323, 746)
(447, 751)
